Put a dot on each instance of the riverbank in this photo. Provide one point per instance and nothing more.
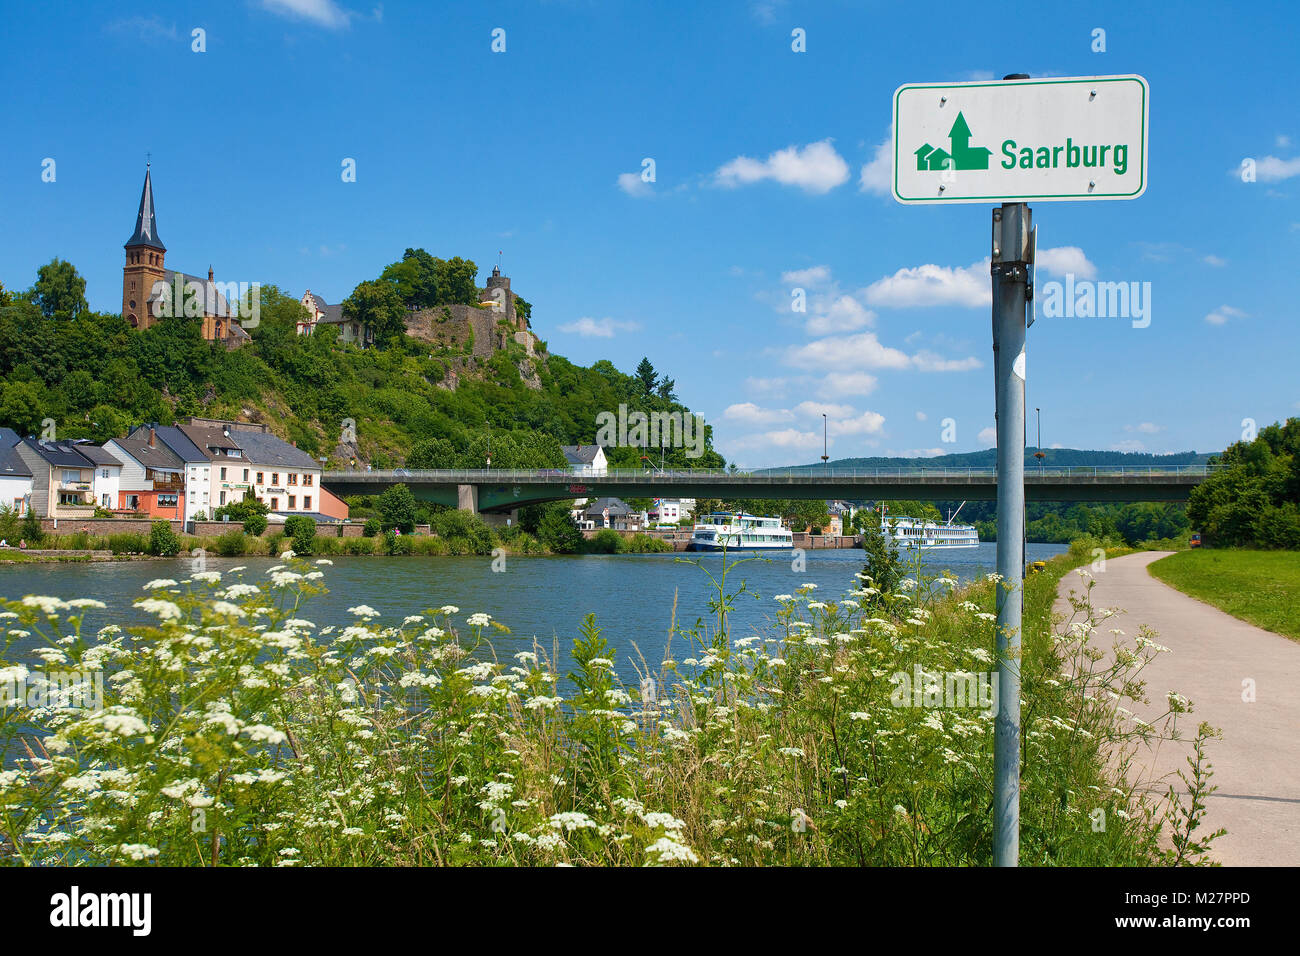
(1233, 676)
(1261, 587)
(782, 742)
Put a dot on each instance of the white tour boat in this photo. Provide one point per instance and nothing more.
(740, 532)
(914, 533)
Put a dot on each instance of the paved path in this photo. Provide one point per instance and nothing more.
(1257, 763)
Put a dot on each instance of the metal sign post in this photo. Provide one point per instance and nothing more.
(1011, 256)
(1071, 139)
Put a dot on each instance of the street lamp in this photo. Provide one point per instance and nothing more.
(825, 448)
(1038, 452)
(489, 443)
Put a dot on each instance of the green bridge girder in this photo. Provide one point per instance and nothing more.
(501, 491)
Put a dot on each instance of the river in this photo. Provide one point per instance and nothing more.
(547, 597)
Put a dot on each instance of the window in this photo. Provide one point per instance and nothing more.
(275, 504)
(275, 477)
(293, 501)
(245, 474)
(292, 478)
(259, 478)
(306, 503)
(166, 501)
(70, 475)
(104, 500)
(223, 474)
(306, 479)
(223, 497)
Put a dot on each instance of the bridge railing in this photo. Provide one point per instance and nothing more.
(489, 475)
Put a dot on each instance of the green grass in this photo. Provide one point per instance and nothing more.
(1262, 587)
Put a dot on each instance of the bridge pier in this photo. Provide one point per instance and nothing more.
(467, 498)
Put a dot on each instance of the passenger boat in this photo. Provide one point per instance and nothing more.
(914, 533)
(740, 532)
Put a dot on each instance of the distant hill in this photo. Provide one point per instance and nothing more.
(987, 458)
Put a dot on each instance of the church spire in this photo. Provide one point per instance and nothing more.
(146, 226)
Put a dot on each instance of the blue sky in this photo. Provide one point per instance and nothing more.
(767, 177)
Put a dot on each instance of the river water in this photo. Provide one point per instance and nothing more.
(543, 597)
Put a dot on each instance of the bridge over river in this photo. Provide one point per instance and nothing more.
(500, 490)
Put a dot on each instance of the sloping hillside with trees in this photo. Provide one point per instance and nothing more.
(95, 376)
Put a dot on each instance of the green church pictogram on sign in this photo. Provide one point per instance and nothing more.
(962, 156)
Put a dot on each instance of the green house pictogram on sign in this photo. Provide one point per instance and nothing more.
(962, 156)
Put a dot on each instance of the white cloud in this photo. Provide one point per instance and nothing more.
(920, 416)
(868, 423)
(765, 11)
(634, 185)
(325, 13)
(1146, 428)
(988, 436)
(588, 327)
(816, 168)
(933, 285)
(751, 414)
(1223, 313)
(817, 409)
(1213, 260)
(837, 384)
(812, 276)
(877, 176)
(917, 453)
(786, 438)
(846, 352)
(1065, 259)
(1270, 169)
(843, 314)
(925, 361)
(1129, 444)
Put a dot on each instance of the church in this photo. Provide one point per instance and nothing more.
(145, 277)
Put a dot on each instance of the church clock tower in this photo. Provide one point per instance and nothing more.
(144, 262)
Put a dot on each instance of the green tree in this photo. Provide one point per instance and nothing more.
(302, 529)
(556, 529)
(646, 376)
(376, 304)
(397, 509)
(59, 291)
(162, 540)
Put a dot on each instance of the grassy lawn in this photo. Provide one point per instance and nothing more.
(1262, 587)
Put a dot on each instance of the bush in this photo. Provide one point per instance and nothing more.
(557, 530)
(359, 545)
(647, 544)
(255, 524)
(302, 530)
(465, 533)
(397, 508)
(231, 544)
(32, 532)
(162, 540)
(372, 527)
(128, 542)
(395, 543)
(606, 541)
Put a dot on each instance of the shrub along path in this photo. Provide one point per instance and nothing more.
(1212, 657)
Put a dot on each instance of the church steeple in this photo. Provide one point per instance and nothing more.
(146, 225)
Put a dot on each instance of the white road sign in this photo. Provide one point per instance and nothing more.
(1074, 138)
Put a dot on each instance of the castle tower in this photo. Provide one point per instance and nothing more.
(505, 297)
(144, 262)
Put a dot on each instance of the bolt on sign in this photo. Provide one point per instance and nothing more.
(1074, 138)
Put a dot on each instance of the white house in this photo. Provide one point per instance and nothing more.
(587, 461)
(15, 476)
(107, 481)
(670, 510)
